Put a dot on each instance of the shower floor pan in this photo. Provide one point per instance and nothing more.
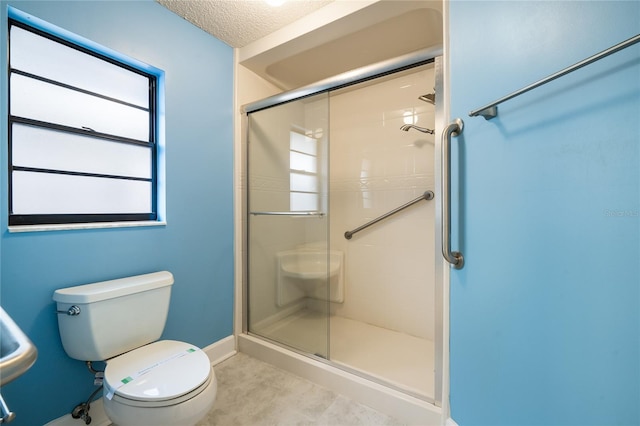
(403, 361)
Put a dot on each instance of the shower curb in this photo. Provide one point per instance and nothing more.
(407, 409)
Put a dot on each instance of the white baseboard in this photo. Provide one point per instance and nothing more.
(221, 350)
(217, 352)
(451, 422)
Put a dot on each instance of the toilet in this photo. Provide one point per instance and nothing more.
(146, 381)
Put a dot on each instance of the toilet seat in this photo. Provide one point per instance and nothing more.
(162, 373)
(117, 399)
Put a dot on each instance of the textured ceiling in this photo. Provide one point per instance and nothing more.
(240, 22)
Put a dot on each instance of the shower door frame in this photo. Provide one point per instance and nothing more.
(371, 72)
(319, 353)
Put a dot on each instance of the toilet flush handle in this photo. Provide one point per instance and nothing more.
(72, 311)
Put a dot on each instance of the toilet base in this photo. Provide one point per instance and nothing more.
(186, 413)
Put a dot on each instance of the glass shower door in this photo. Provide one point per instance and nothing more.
(287, 258)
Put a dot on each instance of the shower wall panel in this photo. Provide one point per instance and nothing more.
(374, 168)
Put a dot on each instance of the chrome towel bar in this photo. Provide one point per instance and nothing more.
(287, 213)
(491, 110)
(428, 195)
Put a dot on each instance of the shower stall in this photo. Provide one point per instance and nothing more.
(341, 264)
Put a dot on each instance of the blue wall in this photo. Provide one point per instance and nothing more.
(545, 315)
(197, 243)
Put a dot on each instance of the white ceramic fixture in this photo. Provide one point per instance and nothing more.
(145, 381)
(306, 272)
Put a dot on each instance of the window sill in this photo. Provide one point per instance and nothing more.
(74, 226)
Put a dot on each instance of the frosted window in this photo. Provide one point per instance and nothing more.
(82, 130)
(49, 59)
(303, 162)
(301, 201)
(304, 183)
(43, 193)
(42, 101)
(303, 177)
(53, 150)
(304, 144)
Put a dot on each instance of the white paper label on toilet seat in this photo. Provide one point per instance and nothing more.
(112, 389)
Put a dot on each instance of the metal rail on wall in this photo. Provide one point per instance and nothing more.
(428, 195)
(490, 110)
(455, 258)
(301, 213)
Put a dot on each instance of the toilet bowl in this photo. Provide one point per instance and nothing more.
(146, 381)
(163, 383)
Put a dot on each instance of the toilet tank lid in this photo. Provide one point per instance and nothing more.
(95, 292)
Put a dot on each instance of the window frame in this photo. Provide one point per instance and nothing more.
(154, 110)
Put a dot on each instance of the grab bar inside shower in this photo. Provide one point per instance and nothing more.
(428, 195)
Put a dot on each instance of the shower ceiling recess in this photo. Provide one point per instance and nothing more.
(318, 39)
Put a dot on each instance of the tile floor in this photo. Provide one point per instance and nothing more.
(251, 392)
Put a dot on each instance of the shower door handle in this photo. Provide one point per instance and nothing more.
(454, 258)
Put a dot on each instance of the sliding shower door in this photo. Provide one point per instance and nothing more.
(287, 259)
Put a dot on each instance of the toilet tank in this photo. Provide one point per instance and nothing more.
(113, 316)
